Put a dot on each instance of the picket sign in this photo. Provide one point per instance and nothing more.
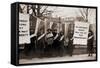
(24, 34)
(81, 33)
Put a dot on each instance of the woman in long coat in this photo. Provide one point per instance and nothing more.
(70, 44)
(90, 43)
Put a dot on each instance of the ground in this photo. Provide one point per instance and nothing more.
(58, 59)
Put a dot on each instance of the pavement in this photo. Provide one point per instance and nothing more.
(58, 59)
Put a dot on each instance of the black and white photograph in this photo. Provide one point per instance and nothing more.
(55, 33)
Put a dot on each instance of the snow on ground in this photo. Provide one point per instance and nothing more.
(58, 59)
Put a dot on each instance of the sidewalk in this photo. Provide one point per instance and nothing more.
(58, 59)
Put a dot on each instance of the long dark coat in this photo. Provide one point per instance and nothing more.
(90, 42)
(70, 44)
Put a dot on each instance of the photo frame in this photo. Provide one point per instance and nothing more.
(52, 33)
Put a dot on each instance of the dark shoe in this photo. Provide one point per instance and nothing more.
(88, 54)
(70, 55)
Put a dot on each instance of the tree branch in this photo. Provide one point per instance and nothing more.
(82, 14)
(44, 10)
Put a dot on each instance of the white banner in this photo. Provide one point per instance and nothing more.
(81, 33)
(24, 34)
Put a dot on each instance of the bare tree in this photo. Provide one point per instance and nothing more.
(84, 13)
(39, 10)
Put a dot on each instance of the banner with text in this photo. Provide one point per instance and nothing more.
(24, 34)
(81, 33)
